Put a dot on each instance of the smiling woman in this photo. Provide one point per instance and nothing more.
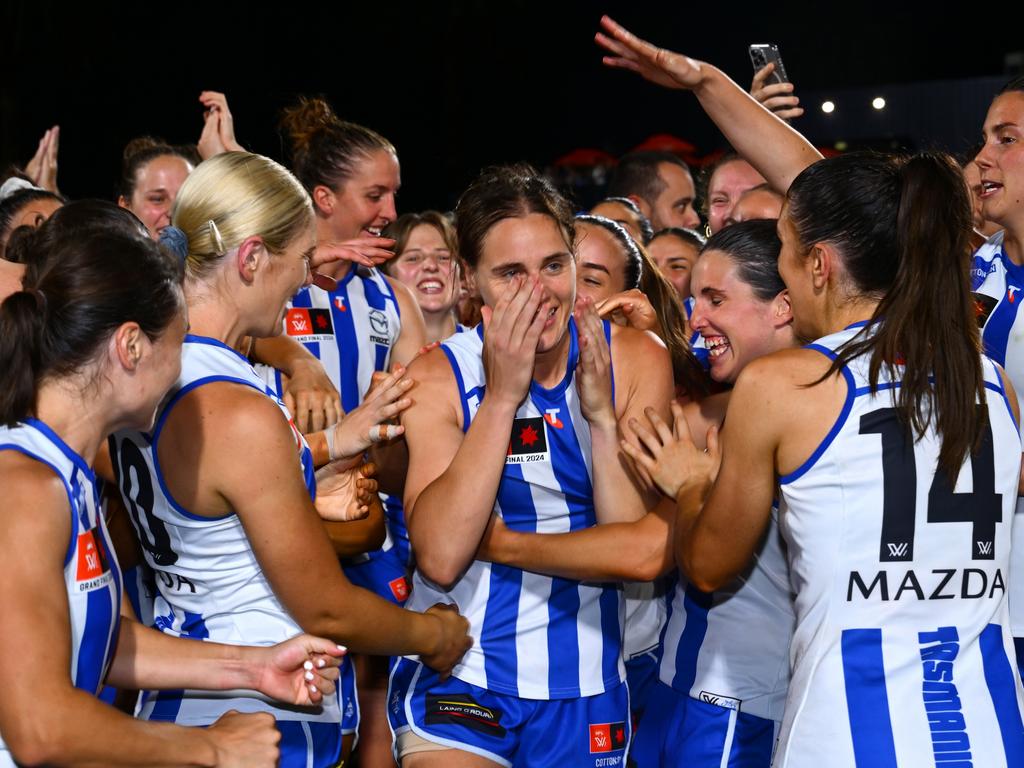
(518, 418)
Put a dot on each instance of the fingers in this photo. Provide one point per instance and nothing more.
(647, 439)
(714, 446)
(382, 432)
(679, 425)
(289, 402)
(660, 427)
(317, 419)
(789, 114)
(642, 461)
(301, 415)
(760, 76)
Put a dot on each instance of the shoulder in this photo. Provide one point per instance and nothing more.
(35, 499)
(403, 295)
(433, 370)
(225, 411)
(634, 346)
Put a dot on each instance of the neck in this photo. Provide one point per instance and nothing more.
(1013, 245)
(213, 315)
(549, 367)
(847, 312)
(82, 424)
(439, 325)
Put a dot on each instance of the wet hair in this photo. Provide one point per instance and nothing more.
(691, 236)
(507, 192)
(16, 201)
(900, 226)
(142, 151)
(401, 228)
(646, 230)
(637, 174)
(326, 149)
(753, 246)
(634, 262)
(92, 269)
(235, 195)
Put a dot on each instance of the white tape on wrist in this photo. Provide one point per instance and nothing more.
(329, 437)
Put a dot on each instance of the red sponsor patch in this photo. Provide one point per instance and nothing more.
(399, 588)
(91, 562)
(607, 737)
(302, 321)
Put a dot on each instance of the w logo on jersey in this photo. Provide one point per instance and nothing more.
(898, 550)
(984, 547)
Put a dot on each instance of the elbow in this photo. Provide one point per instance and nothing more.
(440, 571)
(34, 742)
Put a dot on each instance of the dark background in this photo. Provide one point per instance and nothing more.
(459, 85)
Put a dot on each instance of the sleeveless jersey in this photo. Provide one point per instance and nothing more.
(534, 636)
(997, 283)
(730, 647)
(210, 585)
(902, 650)
(91, 574)
(351, 329)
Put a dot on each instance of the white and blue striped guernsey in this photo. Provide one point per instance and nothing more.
(535, 637)
(91, 575)
(351, 329)
(902, 650)
(731, 647)
(998, 284)
(209, 582)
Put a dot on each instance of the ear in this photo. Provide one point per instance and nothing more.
(127, 345)
(252, 255)
(324, 199)
(645, 209)
(822, 263)
(782, 311)
(470, 273)
(122, 202)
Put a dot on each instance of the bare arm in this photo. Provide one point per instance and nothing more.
(637, 551)
(643, 381)
(249, 464)
(68, 726)
(768, 143)
(445, 465)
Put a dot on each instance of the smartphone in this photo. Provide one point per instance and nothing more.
(762, 54)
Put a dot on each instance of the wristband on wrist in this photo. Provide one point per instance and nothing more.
(329, 437)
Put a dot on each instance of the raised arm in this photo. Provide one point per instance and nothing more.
(768, 143)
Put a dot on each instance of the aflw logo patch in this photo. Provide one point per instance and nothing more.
(607, 737)
(92, 570)
(529, 441)
(308, 324)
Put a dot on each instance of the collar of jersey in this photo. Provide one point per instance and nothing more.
(66, 449)
(192, 338)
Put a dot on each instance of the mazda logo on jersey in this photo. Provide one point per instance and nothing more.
(309, 324)
(529, 441)
(379, 322)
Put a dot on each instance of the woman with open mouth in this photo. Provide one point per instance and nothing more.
(520, 418)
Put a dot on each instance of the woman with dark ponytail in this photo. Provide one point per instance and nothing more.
(891, 443)
(90, 345)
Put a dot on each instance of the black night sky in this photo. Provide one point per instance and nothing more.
(460, 85)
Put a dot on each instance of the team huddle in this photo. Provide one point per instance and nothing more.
(290, 479)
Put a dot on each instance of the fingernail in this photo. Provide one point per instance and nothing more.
(307, 665)
(343, 649)
(312, 688)
(321, 663)
(310, 676)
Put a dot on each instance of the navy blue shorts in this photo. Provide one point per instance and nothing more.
(305, 744)
(678, 731)
(589, 732)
